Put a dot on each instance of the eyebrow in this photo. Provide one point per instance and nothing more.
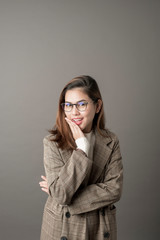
(77, 101)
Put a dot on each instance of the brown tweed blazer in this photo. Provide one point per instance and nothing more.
(82, 192)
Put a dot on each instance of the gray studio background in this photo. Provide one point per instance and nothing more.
(43, 45)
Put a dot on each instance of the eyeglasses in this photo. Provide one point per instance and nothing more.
(81, 106)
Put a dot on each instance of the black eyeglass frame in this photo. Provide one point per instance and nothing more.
(76, 104)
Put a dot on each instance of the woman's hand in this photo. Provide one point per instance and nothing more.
(75, 129)
(44, 185)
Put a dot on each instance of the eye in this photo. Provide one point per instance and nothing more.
(82, 103)
(68, 104)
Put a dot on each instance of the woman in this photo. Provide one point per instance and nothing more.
(83, 167)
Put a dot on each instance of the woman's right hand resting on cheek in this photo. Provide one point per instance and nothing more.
(79, 137)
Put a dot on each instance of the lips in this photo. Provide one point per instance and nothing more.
(77, 121)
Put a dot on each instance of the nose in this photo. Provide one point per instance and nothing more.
(75, 110)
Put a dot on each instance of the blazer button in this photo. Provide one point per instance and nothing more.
(106, 235)
(63, 238)
(68, 214)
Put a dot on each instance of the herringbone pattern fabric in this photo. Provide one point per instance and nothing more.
(80, 206)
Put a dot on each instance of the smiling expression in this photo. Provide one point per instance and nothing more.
(83, 119)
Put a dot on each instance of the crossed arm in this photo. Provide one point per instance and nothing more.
(93, 196)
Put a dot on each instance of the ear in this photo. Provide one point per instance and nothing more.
(99, 105)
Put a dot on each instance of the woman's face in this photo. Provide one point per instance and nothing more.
(82, 119)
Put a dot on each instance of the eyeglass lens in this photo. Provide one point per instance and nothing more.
(81, 106)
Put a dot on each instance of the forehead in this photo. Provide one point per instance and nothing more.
(75, 95)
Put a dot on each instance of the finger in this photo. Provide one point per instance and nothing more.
(70, 123)
(77, 132)
(45, 190)
(73, 124)
(75, 129)
(43, 184)
(43, 177)
(43, 187)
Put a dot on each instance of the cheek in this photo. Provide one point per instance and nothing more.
(67, 115)
(90, 115)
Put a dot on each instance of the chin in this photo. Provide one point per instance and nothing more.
(82, 128)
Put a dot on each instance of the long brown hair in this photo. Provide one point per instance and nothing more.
(61, 131)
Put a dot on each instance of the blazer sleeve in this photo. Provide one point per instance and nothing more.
(64, 178)
(99, 195)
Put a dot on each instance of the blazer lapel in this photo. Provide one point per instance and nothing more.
(100, 156)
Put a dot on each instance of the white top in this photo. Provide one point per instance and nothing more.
(87, 143)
